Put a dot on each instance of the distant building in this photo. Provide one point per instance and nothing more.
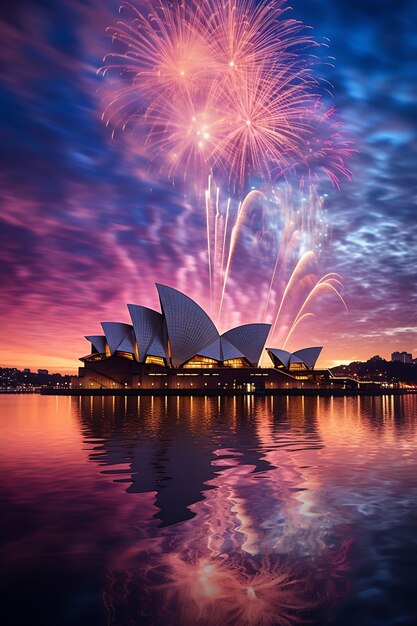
(402, 357)
(45, 372)
(27, 370)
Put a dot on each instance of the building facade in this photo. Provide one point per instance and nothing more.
(180, 348)
(402, 357)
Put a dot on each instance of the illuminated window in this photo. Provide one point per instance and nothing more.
(235, 363)
(297, 366)
(155, 360)
(125, 355)
(200, 361)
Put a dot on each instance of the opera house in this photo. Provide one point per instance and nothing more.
(180, 349)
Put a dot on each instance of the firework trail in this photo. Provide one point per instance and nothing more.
(225, 90)
(298, 225)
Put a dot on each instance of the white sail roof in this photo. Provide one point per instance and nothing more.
(306, 356)
(189, 327)
(157, 348)
(229, 351)
(149, 331)
(309, 356)
(282, 355)
(183, 330)
(98, 341)
(213, 351)
(249, 339)
(128, 343)
(115, 333)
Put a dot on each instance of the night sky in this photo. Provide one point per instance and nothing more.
(85, 228)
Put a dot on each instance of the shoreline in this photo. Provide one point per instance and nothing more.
(227, 392)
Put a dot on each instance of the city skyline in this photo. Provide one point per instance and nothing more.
(85, 226)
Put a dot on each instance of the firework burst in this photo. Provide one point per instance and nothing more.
(219, 87)
(225, 89)
(326, 149)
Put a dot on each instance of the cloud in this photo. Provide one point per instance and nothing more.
(86, 225)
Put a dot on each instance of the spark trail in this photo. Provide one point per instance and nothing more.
(225, 90)
(299, 226)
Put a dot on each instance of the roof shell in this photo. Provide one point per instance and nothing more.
(116, 333)
(213, 351)
(157, 348)
(296, 359)
(306, 356)
(128, 343)
(98, 341)
(229, 351)
(149, 331)
(309, 356)
(189, 327)
(282, 355)
(249, 339)
(221, 350)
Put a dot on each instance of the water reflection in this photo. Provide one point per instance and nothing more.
(205, 511)
(245, 530)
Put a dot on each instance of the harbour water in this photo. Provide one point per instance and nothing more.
(188, 511)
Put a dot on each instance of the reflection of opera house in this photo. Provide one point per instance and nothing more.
(181, 349)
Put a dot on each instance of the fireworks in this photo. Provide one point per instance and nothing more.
(223, 87)
(326, 149)
(286, 227)
(237, 591)
(225, 90)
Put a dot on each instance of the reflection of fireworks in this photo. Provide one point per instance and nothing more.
(263, 548)
(232, 591)
(222, 86)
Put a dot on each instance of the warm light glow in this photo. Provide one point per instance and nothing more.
(200, 361)
(235, 363)
(155, 360)
(297, 366)
(125, 355)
